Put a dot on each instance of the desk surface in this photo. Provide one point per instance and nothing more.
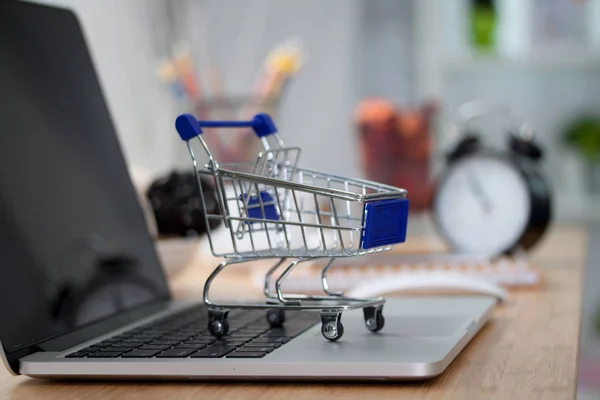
(528, 350)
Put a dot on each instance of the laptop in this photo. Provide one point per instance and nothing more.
(83, 294)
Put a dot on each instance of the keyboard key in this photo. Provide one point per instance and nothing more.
(262, 321)
(158, 329)
(169, 337)
(192, 330)
(270, 339)
(162, 334)
(235, 325)
(201, 340)
(202, 336)
(262, 349)
(242, 335)
(233, 339)
(263, 342)
(108, 341)
(176, 353)
(151, 347)
(163, 342)
(191, 346)
(197, 325)
(245, 319)
(289, 331)
(275, 332)
(147, 336)
(226, 342)
(255, 344)
(182, 334)
(214, 351)
(247, 354)
(245, 322)
(140, 353)
(246, 331)
(177, 333)
(190, 335)
(200, 333)
(79, 354)
(242, 339)
(174, 338)
(129, 346)
(302, 323)
(118, 348)
(105, 354)
(251, 335)
(256, 328)
(197, 345)
(133, 342)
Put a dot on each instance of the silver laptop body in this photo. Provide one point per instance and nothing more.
(68, 210)
(421, 338)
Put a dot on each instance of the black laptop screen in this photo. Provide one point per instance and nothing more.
(74, 247)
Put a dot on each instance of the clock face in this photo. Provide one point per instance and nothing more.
(483, 204)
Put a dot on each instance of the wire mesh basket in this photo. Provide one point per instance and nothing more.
(272, 208)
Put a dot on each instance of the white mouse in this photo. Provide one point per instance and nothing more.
(443, 281)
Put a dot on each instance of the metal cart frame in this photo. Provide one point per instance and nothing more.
(273, 209)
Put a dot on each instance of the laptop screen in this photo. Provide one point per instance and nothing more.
(74, 247)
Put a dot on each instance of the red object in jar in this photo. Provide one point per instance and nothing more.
(395, 147)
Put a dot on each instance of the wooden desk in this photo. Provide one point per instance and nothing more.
(528, 350)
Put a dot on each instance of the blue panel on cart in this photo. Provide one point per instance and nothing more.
(254, 210)
(385, 223)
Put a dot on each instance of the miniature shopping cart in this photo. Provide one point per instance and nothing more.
(272, 209)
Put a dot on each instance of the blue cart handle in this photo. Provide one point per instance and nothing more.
(189, 127)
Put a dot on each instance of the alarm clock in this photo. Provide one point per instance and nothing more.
(488, 200)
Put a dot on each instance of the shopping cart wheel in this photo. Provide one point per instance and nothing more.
(276, 317)
(332, 328)
(374, 318)
(218, 326)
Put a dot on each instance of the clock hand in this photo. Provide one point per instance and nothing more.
(480, 194)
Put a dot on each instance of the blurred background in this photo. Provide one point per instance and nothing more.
(324, 68)
(540, 57)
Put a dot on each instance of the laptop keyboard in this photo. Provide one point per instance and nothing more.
(185, 335)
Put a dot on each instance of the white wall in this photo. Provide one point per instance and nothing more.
(387, 60)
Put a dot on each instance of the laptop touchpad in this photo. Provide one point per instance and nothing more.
(416, 330)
